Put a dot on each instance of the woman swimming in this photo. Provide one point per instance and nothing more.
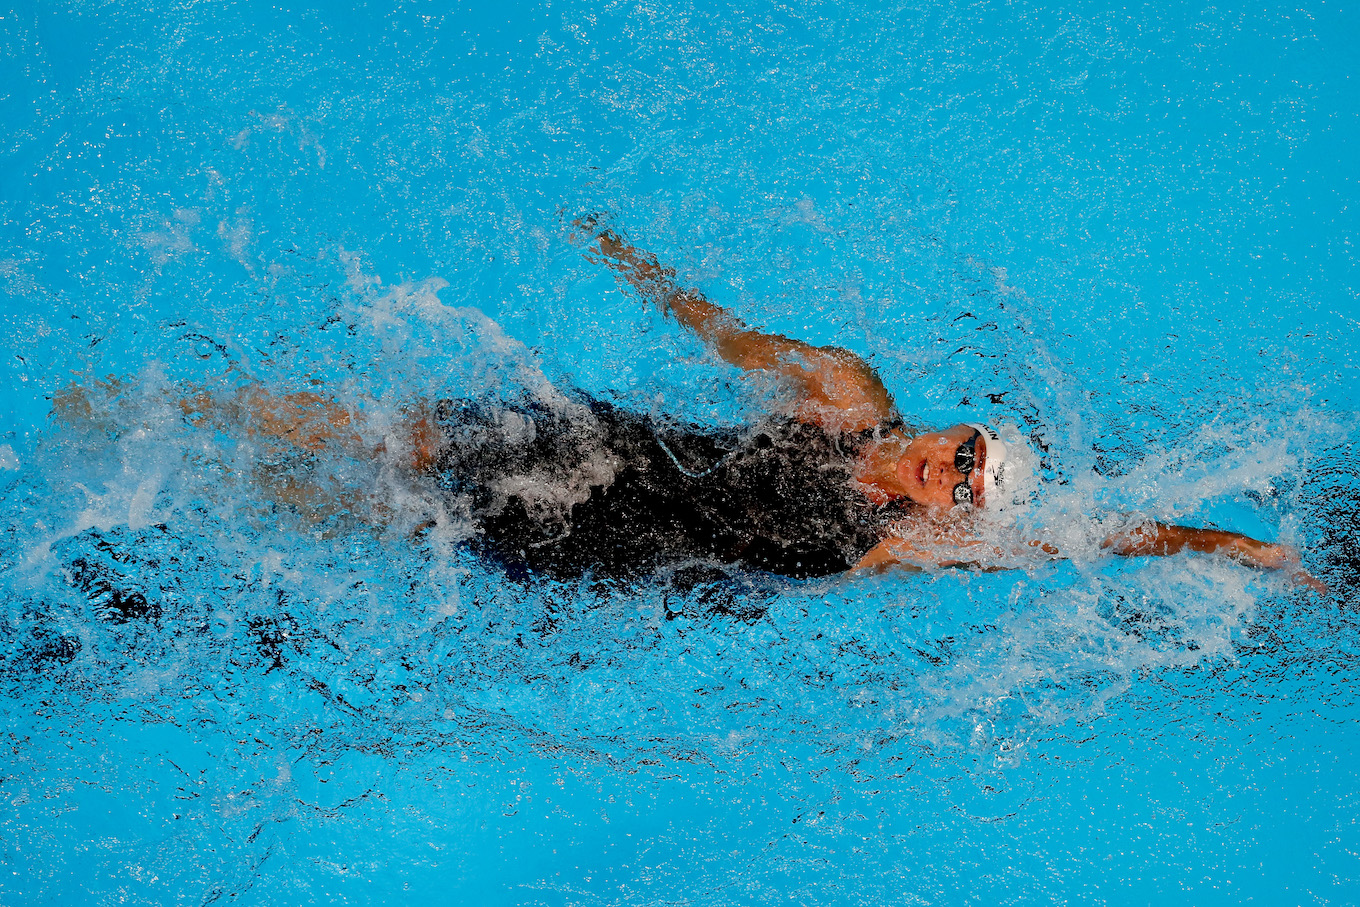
(566, 485)
(913, 495)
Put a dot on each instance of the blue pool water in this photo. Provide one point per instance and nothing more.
(1127, 232)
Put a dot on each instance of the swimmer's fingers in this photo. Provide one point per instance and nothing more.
(1050, 550)
(1302, 577)
(586, 223)
(583, 229)
(598, 236)
(616, 250)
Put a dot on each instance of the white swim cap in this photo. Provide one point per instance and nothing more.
(994, 471)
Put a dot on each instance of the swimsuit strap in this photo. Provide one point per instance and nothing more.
(693, 474)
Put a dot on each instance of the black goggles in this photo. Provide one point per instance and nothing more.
(965, 458)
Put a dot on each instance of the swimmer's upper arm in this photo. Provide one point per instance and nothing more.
(896, 551)
(900, 550)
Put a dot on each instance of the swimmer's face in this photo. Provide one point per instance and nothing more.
(929, 467)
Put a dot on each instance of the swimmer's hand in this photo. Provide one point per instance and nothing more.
(1283, 558)
(647, 276)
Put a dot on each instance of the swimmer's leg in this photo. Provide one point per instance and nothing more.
(315, 422)
(91, 406)
(307, 421)
(304, 419)
(299, 434)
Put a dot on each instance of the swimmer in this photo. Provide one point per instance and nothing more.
(931, 483)
(835, 482)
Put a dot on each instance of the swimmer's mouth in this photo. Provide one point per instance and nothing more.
(925, 472)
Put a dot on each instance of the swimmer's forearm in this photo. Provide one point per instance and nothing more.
(1164, 540)
(657, 284)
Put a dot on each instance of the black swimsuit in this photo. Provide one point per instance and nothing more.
(586, 486)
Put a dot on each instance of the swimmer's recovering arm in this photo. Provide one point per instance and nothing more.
(838, 390)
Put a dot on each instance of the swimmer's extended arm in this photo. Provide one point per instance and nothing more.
(304, 419)
(838, 389)
(1163, 539)
(1146, 540)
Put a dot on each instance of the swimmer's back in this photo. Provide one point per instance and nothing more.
(605, 490)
